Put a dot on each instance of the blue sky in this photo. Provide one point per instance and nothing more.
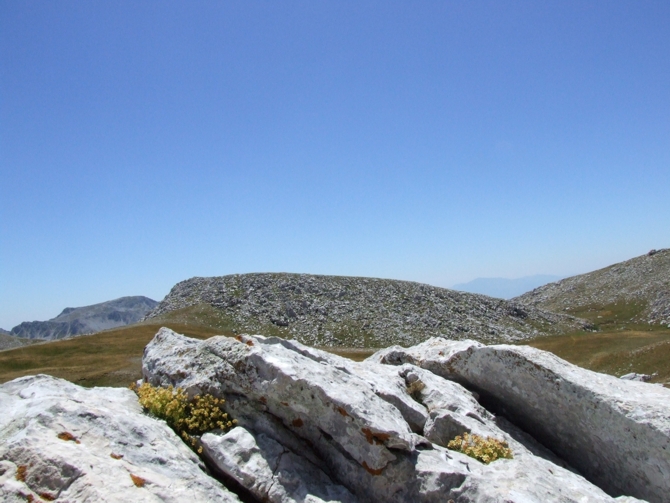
(143, 143)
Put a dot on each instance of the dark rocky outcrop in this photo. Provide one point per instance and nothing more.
(87, 320)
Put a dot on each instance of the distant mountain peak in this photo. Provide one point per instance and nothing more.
(505, 288)
(87, 319)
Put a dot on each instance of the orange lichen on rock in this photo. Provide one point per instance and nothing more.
(138, 481)
(21, 473)
(66, 435)
(376, 438)
(372, 471)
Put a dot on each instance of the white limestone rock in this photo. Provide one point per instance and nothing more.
(302, 392)
(270, 471)
(615, 432)
(634, 376)
(105, 441)
(359, 422)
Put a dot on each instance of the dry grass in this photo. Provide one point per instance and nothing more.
(355, 354)
(615, 352)
(110, 358)
(113, 357)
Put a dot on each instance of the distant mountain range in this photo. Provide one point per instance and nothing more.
(504, 288)
(88, 319)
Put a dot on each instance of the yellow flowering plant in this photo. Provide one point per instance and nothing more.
(189, 419)
(482, 449)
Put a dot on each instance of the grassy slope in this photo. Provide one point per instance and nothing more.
(110, 358)
(113, 357)
(10, 342)
(619, 347)
(614, 352)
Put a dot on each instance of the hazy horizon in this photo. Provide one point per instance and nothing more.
(142, 144)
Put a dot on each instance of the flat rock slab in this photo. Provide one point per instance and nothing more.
(616, 432)
(64, 442)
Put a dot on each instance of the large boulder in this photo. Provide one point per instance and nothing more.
(61, 442)
(377, 430)
(616, 432)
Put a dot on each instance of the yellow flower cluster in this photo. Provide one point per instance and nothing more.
(482, 449)
(186, 418)
(205, 415)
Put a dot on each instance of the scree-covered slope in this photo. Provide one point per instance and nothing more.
(637, 289)
(358, 312)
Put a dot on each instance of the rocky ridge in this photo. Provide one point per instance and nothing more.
(360, 312)
(88, 319)
(642, 281)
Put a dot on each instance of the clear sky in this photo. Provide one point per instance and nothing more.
(143, 143)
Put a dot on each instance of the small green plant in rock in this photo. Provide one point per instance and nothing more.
(189, 419)
(482, 449)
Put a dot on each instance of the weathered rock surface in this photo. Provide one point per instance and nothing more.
(88, 319)
(60, 441)
(378, 430)
(270, 471)
(358, 312)
(616, 432)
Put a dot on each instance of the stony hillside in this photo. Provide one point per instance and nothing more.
(634, 291)
(87, 320)
(11, 342)
(357, 312)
